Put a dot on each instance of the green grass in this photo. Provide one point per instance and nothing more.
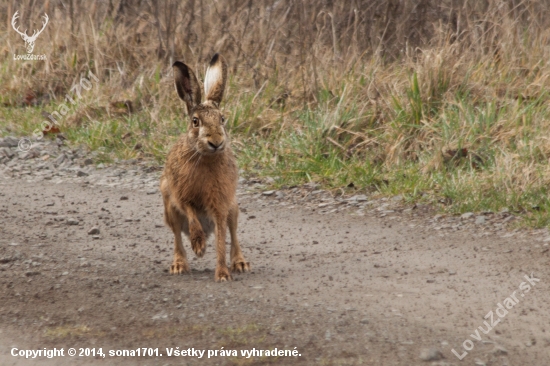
(401, 143)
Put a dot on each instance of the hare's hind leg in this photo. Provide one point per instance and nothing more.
(238, 263)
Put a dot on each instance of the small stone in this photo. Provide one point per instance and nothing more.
(81, 173)
(452, 273)
(7, 152)
(480, 220)
(93, 231)
(268, 193)
(364, 321)
(88, 161)
(499, 350)
(72, 221)
(358, 198)
(9, 141)
(64, 273)
(152, 191)
(430, 354)
(511, 217)
(60, 159)
(279, 195)
(467, 215)
(124, 198)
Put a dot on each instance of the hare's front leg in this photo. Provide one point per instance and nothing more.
(174, 219)
(222, 272)
(196, 233)
(238, 263)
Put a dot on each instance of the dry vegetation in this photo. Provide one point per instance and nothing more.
(443, 101)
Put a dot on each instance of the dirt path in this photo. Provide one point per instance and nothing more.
(342, 289)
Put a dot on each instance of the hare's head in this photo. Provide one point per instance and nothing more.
(206, 132)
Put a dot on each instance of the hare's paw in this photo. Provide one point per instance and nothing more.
(222, 274)
(240, 265)
(179, 266)
(198, 241)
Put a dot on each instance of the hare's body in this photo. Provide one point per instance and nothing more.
(199, 181)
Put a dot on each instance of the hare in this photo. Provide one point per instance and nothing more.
(199, 180)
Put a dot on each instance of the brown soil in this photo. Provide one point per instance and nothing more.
(342, 289)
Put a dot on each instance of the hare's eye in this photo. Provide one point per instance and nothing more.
(223, 120)
(195, 122)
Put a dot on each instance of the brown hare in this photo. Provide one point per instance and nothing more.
(199, 181)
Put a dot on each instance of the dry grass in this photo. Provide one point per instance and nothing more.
(438, 100)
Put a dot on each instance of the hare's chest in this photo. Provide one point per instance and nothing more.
(207, 190)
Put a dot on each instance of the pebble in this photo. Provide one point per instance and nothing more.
(60, 159)
(499, 350)
(72, 221)
(268, 193)
(480, 220)
(88, 161)
(93, 231)
(9, 141)
(430, 354)
(358, 198)
(124, 198)
(81, 173)
(467, 215)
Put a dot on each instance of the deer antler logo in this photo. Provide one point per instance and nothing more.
(29, 41)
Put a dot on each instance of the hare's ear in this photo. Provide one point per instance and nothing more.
(187, 85)
(214, 81)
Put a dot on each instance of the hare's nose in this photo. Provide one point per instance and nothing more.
(214, 146)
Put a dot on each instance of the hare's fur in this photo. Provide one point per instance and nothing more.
(199, 181)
